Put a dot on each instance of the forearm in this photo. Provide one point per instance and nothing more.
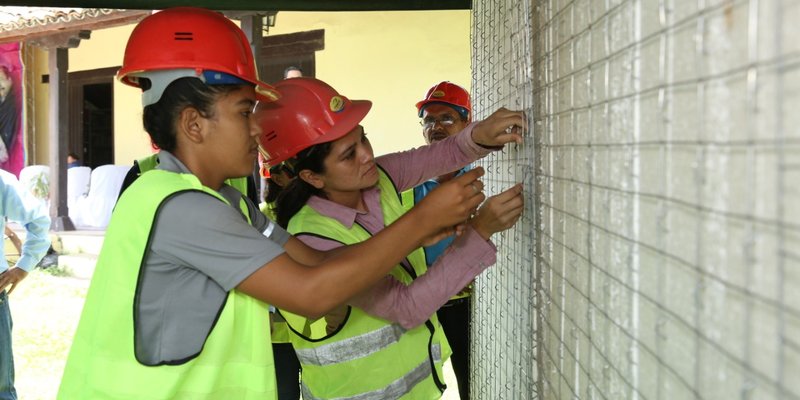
(12, 236)
(412, 305)
(412, 167)
(343, 272)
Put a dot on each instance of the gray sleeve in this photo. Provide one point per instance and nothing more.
(198, 231)
(267, 226)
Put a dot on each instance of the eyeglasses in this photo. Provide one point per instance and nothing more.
(444, 120)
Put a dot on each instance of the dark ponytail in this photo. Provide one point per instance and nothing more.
(295, 195)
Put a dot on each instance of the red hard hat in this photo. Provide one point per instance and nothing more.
(309, 112)
(446, 93)
(192, 41)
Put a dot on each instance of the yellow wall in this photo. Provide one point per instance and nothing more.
(391, 58)
(36, 60)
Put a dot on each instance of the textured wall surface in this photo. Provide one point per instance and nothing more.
(659, 256)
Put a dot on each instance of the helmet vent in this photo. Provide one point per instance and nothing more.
(184, 36)
(270, 136)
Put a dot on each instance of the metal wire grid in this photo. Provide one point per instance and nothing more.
(667, 156)
(504, 308)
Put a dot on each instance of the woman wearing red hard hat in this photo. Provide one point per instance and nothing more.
(177, 306)
(387, 342)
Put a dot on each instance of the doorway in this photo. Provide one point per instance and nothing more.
(91, 116)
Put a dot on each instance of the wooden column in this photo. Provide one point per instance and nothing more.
(58, 53)
(59, 120)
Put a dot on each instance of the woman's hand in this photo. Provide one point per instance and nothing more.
(502, 127)
(451, 203)
(499, 213)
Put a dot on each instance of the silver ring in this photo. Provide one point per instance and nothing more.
(475, 188)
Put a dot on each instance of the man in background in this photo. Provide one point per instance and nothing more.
(292, 72)
(34, 217)
(445, 111)
(73, 160)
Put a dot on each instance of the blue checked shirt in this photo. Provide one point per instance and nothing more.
(29, 213)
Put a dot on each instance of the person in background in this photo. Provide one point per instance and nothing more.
(73, 160)
(177, 305)
(446, 110)
(292, 72)
(387, 343)
(34, 217)
(278, 177)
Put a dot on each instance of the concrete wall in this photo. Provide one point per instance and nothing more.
(658, 259)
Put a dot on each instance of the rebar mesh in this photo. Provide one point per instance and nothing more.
(658, 257)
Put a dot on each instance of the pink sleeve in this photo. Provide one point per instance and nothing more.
(412, 167)
(318, 243)
(412, 305)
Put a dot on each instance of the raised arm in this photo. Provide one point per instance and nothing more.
(412, 167)
(289, 283)
(468, 256)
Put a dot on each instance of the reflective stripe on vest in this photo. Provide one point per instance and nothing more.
(235, 361)
(368, 357)
(394, 390)
(351, 348)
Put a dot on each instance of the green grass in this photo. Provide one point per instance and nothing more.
(45, 308)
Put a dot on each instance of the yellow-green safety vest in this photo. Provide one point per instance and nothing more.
(368, 357)
(151, 162)
(235, 362)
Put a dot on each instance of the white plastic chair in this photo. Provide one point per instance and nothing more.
(35, 179)
(94, 210)
(77, 186)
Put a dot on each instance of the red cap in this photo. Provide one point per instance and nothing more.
(446, 93)
(309, 112)
(192, 39)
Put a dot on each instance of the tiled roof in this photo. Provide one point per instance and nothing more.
(14, 18)
(29, 24)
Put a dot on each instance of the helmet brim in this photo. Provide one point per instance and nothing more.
(356, 112)
(266, 92)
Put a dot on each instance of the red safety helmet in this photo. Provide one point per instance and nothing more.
(309, 112)
(189, 41)
(447, 93)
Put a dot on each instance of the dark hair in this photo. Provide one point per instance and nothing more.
(295, 195)
(273, 190)
(159, 118)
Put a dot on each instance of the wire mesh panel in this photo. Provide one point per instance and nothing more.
(660, 255)
(504, 307)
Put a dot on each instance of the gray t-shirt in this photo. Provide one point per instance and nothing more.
(200, 249)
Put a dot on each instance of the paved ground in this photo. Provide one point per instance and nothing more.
(45, 310)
